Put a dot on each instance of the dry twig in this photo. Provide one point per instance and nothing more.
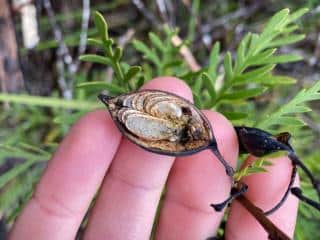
(274, 232)
(65, 62)
(186, 54)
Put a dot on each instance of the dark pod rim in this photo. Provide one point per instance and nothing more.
(106, 100)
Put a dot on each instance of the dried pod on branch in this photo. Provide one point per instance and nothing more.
(165, 123)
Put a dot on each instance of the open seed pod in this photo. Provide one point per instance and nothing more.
(160, 122)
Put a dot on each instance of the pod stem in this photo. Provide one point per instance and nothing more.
(235, 192)
(214, 148)
(286, 194)
(298, 193)
(315, 182)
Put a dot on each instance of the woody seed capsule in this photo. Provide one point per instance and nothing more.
(160, 122)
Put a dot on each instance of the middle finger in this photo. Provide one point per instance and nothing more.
(129, 196)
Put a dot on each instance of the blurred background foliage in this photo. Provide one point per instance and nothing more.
(58, 88)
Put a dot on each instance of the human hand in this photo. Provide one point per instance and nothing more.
(94, 155)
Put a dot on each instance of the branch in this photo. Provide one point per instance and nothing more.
(63, 55)
(186, 54)
(57, 33)
(241, 12)
(166, 10)
(274, 232)
(147, 14)
(65, 81)
(84, 32)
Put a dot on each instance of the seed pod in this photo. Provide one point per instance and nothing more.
(160, 122)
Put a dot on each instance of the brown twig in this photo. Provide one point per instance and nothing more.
(274, 232)
(146, 13)
(65, 62)
(166, 11)
(186, 54)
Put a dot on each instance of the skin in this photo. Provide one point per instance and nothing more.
(94, 155)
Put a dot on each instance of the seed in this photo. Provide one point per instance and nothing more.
(160, 122)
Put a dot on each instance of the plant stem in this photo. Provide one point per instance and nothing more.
(274, 233)
(116, 65)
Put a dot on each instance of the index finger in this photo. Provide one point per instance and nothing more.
(70, 181)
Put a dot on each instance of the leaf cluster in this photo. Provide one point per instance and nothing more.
(124, 74)
(286, 113)
(249, 73)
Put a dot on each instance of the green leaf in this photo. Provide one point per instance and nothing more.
(256, 170)
(69, 119)
(173, 63)
(214, 60)
(291, 121)
(34, 149)
(252, 75)
(108, 43)
(95, 59)
(228, 66)
(193, 20)
(253, 43)
(277, 154)
(94, 42)
(297, 14)
(148, 54)
(209, 84)
(157, 42)
(261, 56)
(283, 58)
(278, 80)
(131, 73)
(257, 166)
(276, 22)
(197, 100)
(14, 191)
(100, 86)
(47, 101)
(241, 53)
(287, 40)
(117, 54)
(101, 25)
(6, 177)
(244, 94)
(235, 115)
(296, 105)
(198, 84)
(290, 29)
(140, 82)
(300, 109)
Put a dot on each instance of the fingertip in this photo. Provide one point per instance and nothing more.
(90, 145)
(94, 124)
(92, 131)
(170, 84)
(71, 180)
